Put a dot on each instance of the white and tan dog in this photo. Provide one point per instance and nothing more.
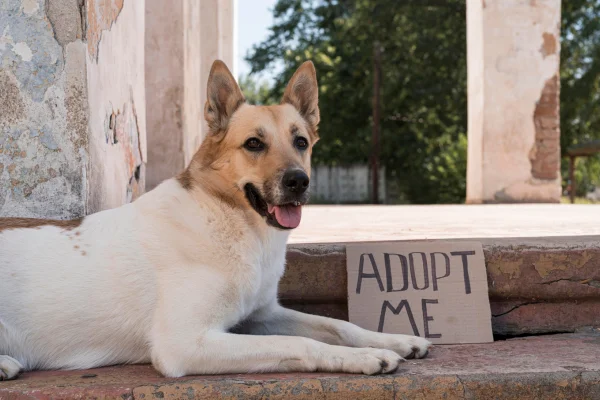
(186, 276)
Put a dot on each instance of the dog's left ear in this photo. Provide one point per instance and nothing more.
(223, 97)
(303, 93)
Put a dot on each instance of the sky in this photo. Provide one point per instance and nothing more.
(254, 18)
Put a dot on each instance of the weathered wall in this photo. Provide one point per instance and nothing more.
(71, 86)
(513, 86)
(183, 38)
(164, 68)
(43, 110)
(115, 78)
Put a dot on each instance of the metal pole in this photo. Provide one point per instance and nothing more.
(376, 121)
(572, 178)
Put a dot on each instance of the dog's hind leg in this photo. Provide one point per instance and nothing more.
(9, 368)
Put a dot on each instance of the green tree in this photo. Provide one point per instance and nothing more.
(255, 92)
(580, 86)
(423, 97)
(424, 101)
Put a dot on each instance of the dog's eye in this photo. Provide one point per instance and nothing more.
(253, 144)
(301, 143)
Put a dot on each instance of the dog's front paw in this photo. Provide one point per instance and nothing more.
(408, 346)
(9, 368)
(370, 361)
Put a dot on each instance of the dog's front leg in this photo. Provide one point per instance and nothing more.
(215, 352)
(189, 337)
(277, 320)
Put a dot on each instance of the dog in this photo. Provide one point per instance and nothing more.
(186, 276)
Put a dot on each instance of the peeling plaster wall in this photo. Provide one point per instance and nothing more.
(115, 78)
(43, 110)
(513, 50)
(72, 106)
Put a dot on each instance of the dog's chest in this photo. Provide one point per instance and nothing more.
(265, 270)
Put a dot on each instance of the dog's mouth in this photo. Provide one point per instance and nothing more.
(282, 216)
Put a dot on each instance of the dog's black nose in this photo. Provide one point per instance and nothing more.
(296, 181)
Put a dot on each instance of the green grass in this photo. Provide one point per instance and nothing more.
(578, 200)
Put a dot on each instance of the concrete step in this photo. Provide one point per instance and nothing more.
(565, 366)
(543, 261)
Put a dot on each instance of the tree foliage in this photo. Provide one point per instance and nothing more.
(424, 100)
(580, 86)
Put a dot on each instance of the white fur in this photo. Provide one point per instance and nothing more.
(164, 279)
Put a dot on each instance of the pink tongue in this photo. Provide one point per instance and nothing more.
(288, 216)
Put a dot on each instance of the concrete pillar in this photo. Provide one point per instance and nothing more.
(183, 38)
(72, 106)
(513, 89)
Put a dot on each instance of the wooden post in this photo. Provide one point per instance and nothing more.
(376, 121)
(572, 178)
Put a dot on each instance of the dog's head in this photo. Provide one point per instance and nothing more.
(258, 157)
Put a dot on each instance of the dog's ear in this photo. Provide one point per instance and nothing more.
(302, 92)
(223, 97)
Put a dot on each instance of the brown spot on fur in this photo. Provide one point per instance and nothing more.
(77, 233)
(28, 223)
(76, 247)
(83, 253)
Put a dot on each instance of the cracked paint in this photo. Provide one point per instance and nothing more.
(549, 263)
(513, 109)
(101, 14)
(115, 79)
(549, 45)
(545, 153)
(52, 121)
(41, 153)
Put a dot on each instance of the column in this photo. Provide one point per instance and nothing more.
(513, 88)
(183, 38)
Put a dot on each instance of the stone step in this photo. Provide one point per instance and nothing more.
(543, 273)
(564, 366)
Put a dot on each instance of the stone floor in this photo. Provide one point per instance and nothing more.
(545, 367)
(342, 224)
(550, 252)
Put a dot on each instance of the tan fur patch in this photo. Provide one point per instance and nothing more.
(24, 223)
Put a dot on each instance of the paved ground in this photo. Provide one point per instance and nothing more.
(557, 367)
(335, 224)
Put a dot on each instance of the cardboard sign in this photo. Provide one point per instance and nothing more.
(434, 289)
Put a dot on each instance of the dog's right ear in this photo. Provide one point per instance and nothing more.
(223, 97)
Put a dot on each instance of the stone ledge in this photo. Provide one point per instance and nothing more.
(543, 260)
(536, 285)
(554, 366)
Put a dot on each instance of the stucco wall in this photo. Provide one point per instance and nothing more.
(117, 102)
(72, 106)
(513, 86)
(43, 110)
(183, 38)
(164, 54)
